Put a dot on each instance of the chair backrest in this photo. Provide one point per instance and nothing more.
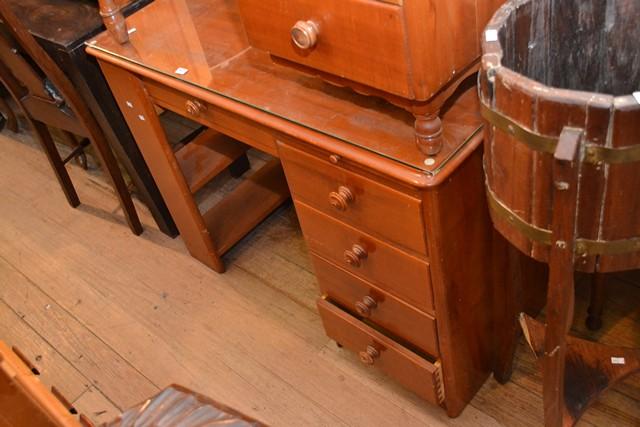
(24, 76)
(38, 83)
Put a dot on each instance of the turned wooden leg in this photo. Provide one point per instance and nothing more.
(114, 20)
(429, 133)
(596, 306)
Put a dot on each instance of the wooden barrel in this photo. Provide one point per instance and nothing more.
(546, 65)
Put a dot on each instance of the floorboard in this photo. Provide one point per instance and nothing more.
(110, 318)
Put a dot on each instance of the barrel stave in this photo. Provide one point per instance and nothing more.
(621, 218)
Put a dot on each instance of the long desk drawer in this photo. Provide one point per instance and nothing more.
(387, 267)
(377, 306)
(374, 349)
(223, 121)
(355, 199)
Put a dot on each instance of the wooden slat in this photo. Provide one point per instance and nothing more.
(206, 156)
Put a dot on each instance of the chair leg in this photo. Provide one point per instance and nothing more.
(596, 306)
(80, 157)
(112, 170)
(10, 116)
(49, 147)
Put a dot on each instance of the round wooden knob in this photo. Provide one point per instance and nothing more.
(304, 34)
(195, 107)
(340, 200)
(334, 158)
(369, 356)
(355, 255)
(366, 306)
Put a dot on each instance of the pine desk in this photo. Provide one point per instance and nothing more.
(400, 243)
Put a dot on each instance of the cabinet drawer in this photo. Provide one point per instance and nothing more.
(412, 371)
(376, 208)
(360, 40)
(387, 267)
(211, 116)
(377, 306)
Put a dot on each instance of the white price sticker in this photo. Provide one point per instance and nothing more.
(491, 35)
(617, 361)
(636, 95)
(181, 71)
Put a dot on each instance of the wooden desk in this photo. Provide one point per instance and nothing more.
(400, 243)
(61, 27)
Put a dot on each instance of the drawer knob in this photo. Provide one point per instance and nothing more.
(366, 306)
(341, 199)
(195, 107)
(369, 356)
(304, 34)
(355, 255)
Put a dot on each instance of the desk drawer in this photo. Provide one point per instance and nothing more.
(374, 349)
(377, 306)
(376, 208)
(391, 269)
(223, 121)
(360, 40)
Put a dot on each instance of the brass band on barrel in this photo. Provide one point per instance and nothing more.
(543, 236)
(547, 144)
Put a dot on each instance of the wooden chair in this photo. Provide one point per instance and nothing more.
(48, 98)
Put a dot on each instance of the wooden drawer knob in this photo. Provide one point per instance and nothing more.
(369, 356)
(366, 306)
(355, 255)
(195, 107)
(304, 34)
(341, 199)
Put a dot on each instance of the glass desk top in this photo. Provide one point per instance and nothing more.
(202, 43)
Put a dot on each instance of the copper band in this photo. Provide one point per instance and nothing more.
(543, 236)
(593, 154)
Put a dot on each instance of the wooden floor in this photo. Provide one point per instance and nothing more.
(111, 318)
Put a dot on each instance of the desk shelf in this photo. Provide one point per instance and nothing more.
(206, 156)
(246, 206)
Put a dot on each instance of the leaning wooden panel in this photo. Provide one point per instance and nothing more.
(24, 400)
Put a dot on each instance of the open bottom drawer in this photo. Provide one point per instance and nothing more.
(412, 371)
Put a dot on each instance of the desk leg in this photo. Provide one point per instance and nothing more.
(144, 123)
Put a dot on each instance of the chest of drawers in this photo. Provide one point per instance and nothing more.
(403, 270)
(413, 53)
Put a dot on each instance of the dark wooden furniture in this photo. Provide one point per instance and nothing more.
(401, 245)
(562, 171)
(61, 27)
(414, 53)
(48, 98)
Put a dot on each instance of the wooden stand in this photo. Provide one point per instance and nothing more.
(575, 372)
